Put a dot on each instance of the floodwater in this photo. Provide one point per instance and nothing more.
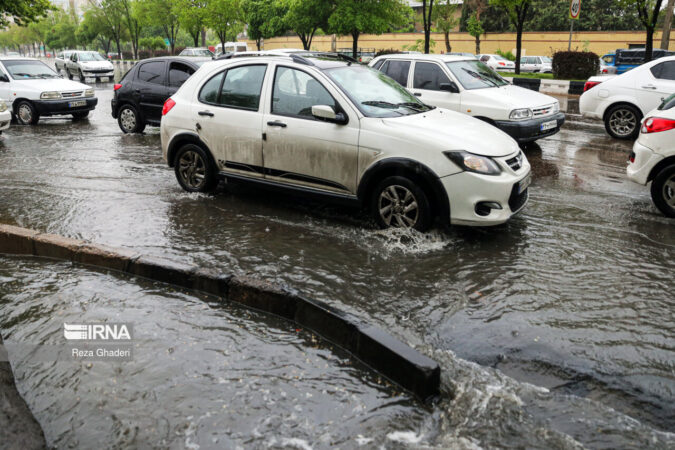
(554, 330)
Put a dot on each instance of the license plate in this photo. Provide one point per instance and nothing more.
(105, 79)
(549, 125)
(524, 183)
(77, 103)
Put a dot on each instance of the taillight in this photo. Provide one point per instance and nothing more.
(591, 84)
(631, 157)
(502, 64)
(116, 87)
(657, 124)
(168, 104)
(605, 71)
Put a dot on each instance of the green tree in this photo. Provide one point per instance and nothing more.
(131, 10)
(162, 14)
(427, 14)
(356, 17)
(107, 17)
(305, 17)
(518, 11)
(596, 15)
(23, 11)
(648, 11)
(191, 16)
(445, 17)
(224, 17)
(475, 28)
(264, 19)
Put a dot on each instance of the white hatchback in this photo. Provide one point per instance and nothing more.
(496, 62)
(622, 101)
(653, 156)
(325, 126)
(466, 85)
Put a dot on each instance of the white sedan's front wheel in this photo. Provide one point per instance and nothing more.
(397, 202)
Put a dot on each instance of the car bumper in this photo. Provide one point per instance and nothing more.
(530, 130)
(644, 160)
(57, 107)
(5, 119)
(108, 75)
(113, 106)
(466, 190)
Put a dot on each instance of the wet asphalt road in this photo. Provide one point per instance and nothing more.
(554, 330)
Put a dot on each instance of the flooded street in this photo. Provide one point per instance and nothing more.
(555, 330)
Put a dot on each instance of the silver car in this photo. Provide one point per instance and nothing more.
(84, 64)
(61, 59)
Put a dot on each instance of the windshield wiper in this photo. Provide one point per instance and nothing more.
(22, 74)
(47, 75)
(380, 104)
(416, 106)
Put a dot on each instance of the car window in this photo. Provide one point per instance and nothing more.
(608, 59)
(178, 73)
(398, 70)
(484, 58)
(295, 92)
(475, 74)
(210, 90)
(378, 64)
(668, 103)
(241, 87)
(152, 72)
(429, 76)
(664, 71)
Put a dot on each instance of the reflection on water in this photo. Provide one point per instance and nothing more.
(574, 295)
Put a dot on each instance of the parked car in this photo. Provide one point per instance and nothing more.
(328, 127)
(536, 64)
(466, 85)
(61, 59)
(622, 101)
(232, 47)
(606, 69)
(89, 65)
(5, 116)
(496, 62)
(34, 90)
(197, 51)
(627, 59)
(139, 96)
(653, 156)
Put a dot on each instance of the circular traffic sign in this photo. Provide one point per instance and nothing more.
(575, 9)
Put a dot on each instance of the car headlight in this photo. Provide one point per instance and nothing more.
(50, 95)
(474, 163)
(520, 114)
(89, 93)
(556, 107)
(3, 106)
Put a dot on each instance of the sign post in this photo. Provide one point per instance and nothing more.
(575, 11)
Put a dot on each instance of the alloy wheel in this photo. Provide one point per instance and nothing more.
(25, 113)
(128, 119)
(623, 122)
(398, 207)
(668, 191)
(192, 169)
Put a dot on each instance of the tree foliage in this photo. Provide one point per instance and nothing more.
(305, 17)
(23, 11)
(224, 17)
(445, 18)
(518, 11)
(648, 12)
(264, 18)
(162, 14)
(191, 17)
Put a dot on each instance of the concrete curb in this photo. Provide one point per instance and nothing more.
(18, 427)
(554, 87)
(395, 360)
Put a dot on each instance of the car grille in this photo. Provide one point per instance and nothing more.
(98, 70)
(516, 162)
(517, 201)
(71, 94)
(543, 111)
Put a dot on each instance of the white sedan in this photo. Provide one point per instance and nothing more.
(622, 101)
(653, 156)
(496, 62)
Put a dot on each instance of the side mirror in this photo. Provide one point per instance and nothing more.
(4, 78)
(449, 87)
(326, 113)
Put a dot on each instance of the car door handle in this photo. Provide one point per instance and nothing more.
(276, 123)
(205, 113)
(649, 86)
(418, 94)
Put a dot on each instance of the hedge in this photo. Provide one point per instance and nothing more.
(575, 65)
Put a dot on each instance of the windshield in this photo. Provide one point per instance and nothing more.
(499, 58)
(474, 74)
(668, 103)
(90, 56)
(28, 69)
(374, 93)
(546, 59)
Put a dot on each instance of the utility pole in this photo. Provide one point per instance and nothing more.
(569, 44)
(667, 23)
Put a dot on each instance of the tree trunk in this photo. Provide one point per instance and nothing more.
(649, 44)
(257, 43)
(355, 44)
(195, 37)
(519, 45)
(203, 33)
(448, 47)
(477, 45)
(667, 23)
(303, 38)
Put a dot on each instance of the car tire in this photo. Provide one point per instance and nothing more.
(80, 115)
(81, 75)
(194, 169)
(663, 191)
(623, 121)
(129, 120)
(400, 203)
(70, 74)
(26, 114)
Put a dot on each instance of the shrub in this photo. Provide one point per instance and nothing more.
(144, 54)
(575, 65)
(387, 51)
(508, 55)
(161, 53)
(177, 50)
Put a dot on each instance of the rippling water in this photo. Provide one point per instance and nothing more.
(554, 330)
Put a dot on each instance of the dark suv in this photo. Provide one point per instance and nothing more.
(142, 91)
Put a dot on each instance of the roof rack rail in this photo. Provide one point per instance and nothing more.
(300, 60)
(333, 55)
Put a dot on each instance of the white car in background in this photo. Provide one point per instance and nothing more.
(653, 156)
(85, 64)
(324, 126)
(622, 101)
(5, 116)
(496, 62)
(466, 85)
(536, 64)
(196, 51)
(61, 59)
(35, 90)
